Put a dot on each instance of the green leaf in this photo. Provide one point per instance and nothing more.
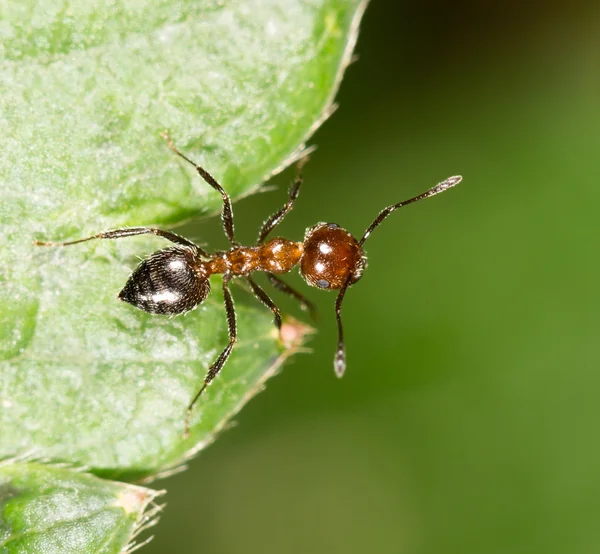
(85, 91)
(56, 510)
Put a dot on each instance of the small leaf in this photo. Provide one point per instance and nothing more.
(55, 510)
(85, 91)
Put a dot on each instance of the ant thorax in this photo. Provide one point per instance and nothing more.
(277, 256)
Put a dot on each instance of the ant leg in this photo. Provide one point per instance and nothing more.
(216, 367)
(339, 362)
(282, 286)
(278, 216)
(264, 298)
(227, 213)
(129, 232)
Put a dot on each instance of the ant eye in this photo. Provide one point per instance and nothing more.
(167, 282)
(323, 283)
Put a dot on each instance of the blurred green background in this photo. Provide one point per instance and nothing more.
(468, 419)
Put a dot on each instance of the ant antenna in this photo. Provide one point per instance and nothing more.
(339, 362)
(440, 187)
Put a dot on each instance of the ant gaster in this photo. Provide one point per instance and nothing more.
(176, 279)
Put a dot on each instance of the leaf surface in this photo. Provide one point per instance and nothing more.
(57, 510)
(85, 92)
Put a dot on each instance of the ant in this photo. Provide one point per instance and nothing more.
(176, 279)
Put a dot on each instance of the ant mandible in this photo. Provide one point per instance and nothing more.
(176, 279)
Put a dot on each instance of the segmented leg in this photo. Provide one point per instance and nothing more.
(216, 367)
(279, 215)
(129, 232)
(282, 286)
(227, 213)
(264, 298)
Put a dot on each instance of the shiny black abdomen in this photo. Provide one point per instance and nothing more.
(169, 282)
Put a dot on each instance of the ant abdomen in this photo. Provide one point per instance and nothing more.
(331, 255)
(169, 282)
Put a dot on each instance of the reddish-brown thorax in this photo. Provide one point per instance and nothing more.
(277, 256)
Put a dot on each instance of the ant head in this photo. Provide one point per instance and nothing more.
(331, 255)
(171, 281)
